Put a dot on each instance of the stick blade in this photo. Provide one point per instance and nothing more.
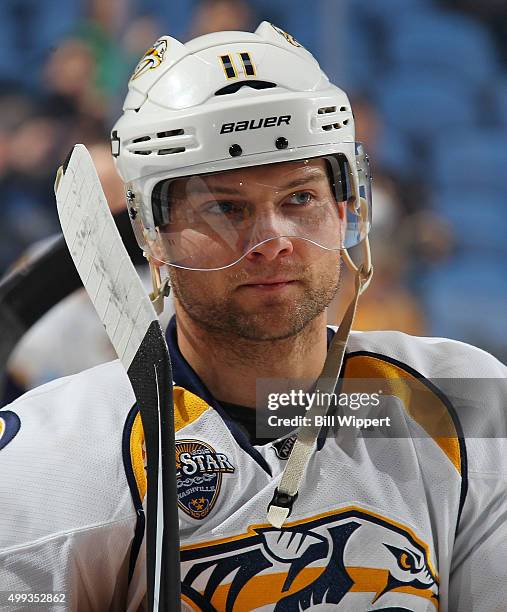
(100, 256)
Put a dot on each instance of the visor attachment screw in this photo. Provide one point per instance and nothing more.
(130, 203)
(235, 150)
(281, 143)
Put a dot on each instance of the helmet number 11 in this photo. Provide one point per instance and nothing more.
(230, 69)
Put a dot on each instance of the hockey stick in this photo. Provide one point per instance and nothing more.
(134, 330)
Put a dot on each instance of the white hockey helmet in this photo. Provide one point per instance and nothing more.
(223, 102)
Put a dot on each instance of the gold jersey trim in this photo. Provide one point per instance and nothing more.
(432, 416)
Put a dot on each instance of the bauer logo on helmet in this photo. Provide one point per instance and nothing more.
(255, 124)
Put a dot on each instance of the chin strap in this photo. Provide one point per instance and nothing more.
(286, 493)
(161, 288)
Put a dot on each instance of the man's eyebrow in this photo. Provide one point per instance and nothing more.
(303, 180)
(215, 188)
(297, 182)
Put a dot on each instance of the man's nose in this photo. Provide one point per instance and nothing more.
(272, 248)
(269, 237)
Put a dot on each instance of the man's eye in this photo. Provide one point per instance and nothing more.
(222, 208)
(300, 198)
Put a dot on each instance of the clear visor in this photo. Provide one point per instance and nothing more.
(212, 221)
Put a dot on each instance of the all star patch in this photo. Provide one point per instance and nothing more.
(283, 447)
(199, 473)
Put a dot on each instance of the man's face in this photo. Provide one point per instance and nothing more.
(282, 283)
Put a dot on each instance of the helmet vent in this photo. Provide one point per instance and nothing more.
(235, 87)
(327, 109)
(142, 139)
(333, 126)
(171, 151)
(154, 145)
(170, 133)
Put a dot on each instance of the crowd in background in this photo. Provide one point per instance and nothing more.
(427, 80)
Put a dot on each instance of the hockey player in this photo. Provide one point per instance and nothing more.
(244, 182)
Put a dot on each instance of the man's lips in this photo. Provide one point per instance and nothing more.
(269, 284)
(270, 281)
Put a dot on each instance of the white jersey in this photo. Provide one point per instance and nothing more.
(413, 523)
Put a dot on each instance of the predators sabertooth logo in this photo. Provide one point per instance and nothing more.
(345, 560)
(288, 37)
(151, 59)
(199, 472)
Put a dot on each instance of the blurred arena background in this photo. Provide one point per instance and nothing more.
(427, 80)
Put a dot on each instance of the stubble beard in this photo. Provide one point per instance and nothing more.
(277, 319)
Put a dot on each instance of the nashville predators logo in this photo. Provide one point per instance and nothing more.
(199, 472)
(346, 560)
(151, 59)
(288, 37)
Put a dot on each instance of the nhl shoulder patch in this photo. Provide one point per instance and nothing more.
(199, 473)
(283, 447)
(10, 424)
